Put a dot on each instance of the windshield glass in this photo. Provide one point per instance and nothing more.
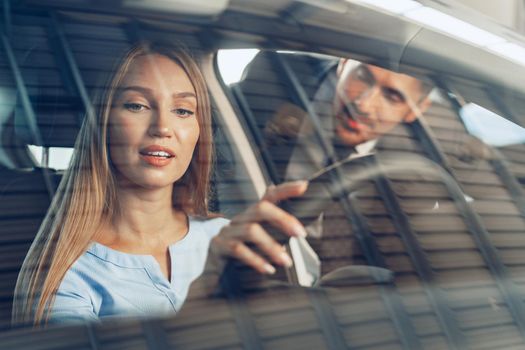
(401, 179)
(152, 158)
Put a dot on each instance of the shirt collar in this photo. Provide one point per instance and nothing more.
(130, 260)
(366, 147)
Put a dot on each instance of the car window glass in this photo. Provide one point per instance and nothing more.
(422, 206)
(42, 75)
(415, 236)
(490, 127)
(58, 157)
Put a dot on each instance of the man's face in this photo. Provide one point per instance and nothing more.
(370, 101)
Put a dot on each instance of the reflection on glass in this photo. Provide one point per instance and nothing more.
(490, 127)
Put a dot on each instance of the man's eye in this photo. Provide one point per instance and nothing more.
(360, 73)
(393, 96)
(184, 112)
(135, 107)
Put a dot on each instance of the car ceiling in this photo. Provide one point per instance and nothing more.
(344, 29)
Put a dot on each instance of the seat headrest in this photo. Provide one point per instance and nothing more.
(57, 111)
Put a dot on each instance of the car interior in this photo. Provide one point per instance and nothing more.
(425, 250)
(431, 232)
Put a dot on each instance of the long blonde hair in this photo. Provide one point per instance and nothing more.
(87, 193)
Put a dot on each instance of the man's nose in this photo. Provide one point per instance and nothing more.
(368, 100)
(160, 124)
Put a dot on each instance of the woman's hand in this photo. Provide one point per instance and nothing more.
(247, 227)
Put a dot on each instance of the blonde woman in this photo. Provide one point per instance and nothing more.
(129, 229)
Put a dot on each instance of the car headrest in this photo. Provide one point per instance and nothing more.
(57, 111)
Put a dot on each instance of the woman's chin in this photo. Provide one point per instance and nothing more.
(157, 182)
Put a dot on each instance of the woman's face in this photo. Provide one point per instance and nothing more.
(153, 127)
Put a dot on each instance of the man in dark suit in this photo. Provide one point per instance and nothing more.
(354, 106)
(370, 101)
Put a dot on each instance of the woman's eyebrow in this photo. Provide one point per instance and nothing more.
(141, 89)
(184, 95)
(149, 92)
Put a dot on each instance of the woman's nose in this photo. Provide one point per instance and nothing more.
(160, 126)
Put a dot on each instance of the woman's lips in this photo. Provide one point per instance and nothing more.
(157, 155)
(157, 161)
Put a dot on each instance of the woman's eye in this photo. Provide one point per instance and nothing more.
(135, 107)
(184, 112)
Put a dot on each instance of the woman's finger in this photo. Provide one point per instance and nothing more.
(265, 211)
(285, 190)
(256, 234)
(239, 250)
(228, 242)
(246, 227)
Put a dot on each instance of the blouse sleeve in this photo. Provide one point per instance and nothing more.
(214, 226)
(73, 302)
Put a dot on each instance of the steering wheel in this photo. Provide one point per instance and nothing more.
(330, 184)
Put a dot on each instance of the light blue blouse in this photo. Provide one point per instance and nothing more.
(105, 283)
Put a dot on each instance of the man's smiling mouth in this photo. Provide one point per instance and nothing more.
(353, 124)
